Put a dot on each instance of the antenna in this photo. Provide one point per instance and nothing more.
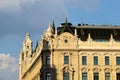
(81, 20)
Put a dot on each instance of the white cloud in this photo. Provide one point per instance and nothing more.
(8, 67)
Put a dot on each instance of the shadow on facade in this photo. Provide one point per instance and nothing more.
(47, 72)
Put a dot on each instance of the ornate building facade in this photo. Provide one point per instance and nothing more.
(83, 52)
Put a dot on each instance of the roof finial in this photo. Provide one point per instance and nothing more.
(66, 20)
(111, 37)
(53, 23)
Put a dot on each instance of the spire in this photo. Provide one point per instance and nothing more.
(75, 32)
(27, 44)
(66, 20)
(36, 44)
(111, 37)
(66, 27)
(89, 39)
(111, 40)
(27, 38)
(89, 36)
(51, 30)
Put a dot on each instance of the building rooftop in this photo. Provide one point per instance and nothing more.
(96, 31)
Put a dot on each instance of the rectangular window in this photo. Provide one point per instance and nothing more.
(117, 76)
(84, 61)
(47, 60)
(95, 60)
(107, 76)
(106, 60)
(117, 60)
(96, 76)
(66, 59)
(48, 76)
(84, 76)
(66, 76)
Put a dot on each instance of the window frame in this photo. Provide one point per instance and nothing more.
(84, 60)
(106, 76)
(94, 76)
(48, 77)
(47, 60)
(117, 60)
(84, 76)
(107, 60)
(95, 59)
(66, 59)
(66, 75)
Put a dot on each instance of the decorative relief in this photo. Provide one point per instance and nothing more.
(95, 54)
(118, 70)
(67, 69)
(84, 69)
(108, 70)
(117, 54)
(84, 53)
(106, 54)
(96, 69)
(66, 53)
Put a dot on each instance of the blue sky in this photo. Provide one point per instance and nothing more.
(18, 17)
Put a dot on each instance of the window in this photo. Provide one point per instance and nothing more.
(117, 60)
(48, 76)
(66, 59)
(84, 76)
(96, 76)
(106, 60)
(84, 60)
(117, 76)
(47, 60)
(95, 60)
(107, 76)
(66, 76)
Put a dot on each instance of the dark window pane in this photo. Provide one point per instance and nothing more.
(118, 60)
(95, 60)
(66, 59)
(48, 76)
(107, 76)
(117, 76)
(47, 60)
(106, 60)
(96, 76)
(84, 60)
(84, 76)
(66, 76)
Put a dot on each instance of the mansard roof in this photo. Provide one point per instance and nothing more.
(96, 31)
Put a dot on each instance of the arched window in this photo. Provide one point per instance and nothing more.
(66, 76)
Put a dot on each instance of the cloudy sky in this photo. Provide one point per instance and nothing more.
(18, 17)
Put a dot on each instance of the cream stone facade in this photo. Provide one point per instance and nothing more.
(83, 52)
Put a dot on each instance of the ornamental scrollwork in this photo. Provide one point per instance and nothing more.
(118, 70)
(84, 69)
(96, 69)
(107, 70)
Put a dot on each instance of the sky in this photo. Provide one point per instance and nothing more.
(18, 17)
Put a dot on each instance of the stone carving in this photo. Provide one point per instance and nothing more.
(107, 70)
(66, 69)
(84, 69)
(96, 69)
(118, 70)
(117, 54)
